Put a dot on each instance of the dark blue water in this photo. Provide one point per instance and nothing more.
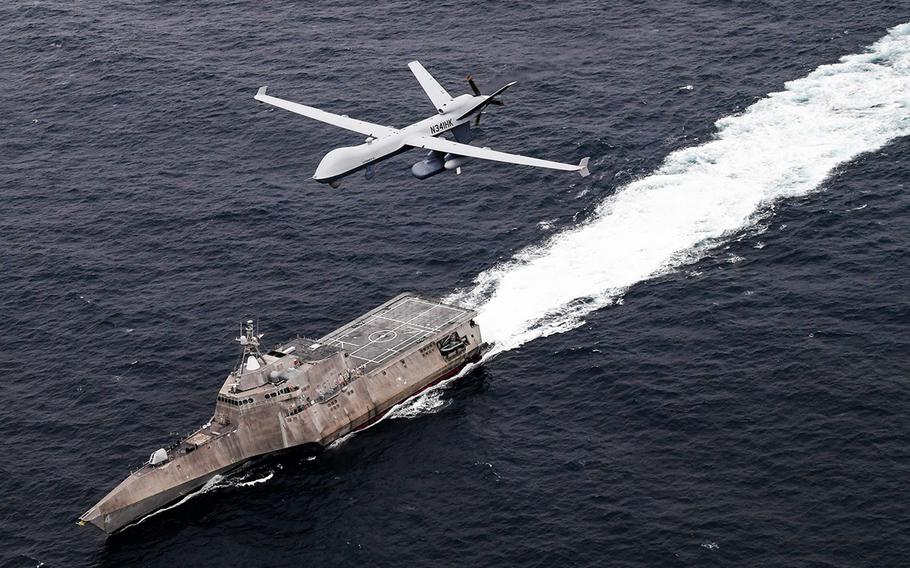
(738, 399)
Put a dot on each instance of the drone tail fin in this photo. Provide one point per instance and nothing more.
(583, 167)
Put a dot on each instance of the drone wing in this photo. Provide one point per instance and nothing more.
(438, 96)
(361, 126)
(450, 147)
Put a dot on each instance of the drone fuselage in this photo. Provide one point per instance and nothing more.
(347, 160)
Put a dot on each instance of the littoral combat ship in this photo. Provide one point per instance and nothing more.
(304, 392)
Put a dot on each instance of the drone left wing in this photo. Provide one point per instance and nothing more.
(352, 124)
(450, 147)
(438, 96)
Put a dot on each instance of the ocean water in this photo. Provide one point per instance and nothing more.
(699, 356)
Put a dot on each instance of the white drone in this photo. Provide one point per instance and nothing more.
(454, 115)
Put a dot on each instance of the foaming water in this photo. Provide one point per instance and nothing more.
(251, 482)
(427, 402)
(785, 145)
(431, 400)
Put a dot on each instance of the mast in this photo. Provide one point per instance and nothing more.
(250, 355)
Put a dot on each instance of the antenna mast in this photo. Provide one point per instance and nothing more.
(250, 356)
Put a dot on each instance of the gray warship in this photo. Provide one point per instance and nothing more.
(304, 392)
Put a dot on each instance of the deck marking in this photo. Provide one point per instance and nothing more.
(383, 335)
(399, 327)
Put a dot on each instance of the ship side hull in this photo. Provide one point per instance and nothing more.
(111, 521)
(318, 398)
(131, 501)
(471, 358)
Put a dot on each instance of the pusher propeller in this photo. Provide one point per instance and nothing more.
(477, 92)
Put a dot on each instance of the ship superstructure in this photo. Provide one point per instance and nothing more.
(304, 392)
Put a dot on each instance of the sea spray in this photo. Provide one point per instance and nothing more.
(784, 145)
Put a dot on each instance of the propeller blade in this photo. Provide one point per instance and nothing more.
(473, 85)
(490, 100)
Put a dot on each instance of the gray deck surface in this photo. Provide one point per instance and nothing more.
(372, 340)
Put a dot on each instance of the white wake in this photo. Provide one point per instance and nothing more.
(784, 145)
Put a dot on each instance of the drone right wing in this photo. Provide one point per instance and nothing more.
(458, 149)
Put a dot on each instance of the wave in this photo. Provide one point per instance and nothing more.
(431, 400)
(784, 145)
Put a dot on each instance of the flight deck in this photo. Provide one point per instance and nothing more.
(393, 328)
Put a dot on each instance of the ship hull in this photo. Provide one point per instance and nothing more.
(471, 358)
(115, 520)
(304, 393)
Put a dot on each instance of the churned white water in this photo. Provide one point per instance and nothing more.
(784, 145)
